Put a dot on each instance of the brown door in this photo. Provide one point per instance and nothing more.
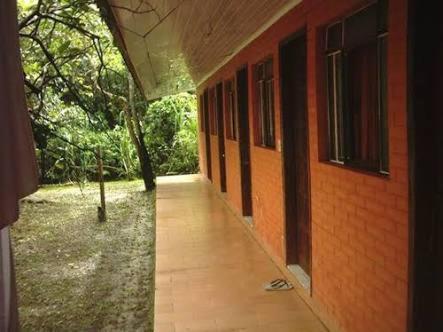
(426, 154)
(207, 134)
(243, 133)
(221, 135)
(295, 151)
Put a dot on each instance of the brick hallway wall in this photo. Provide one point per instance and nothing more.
(359, 220)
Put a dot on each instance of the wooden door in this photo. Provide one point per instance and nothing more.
(426, 154)
(221, 135)
(243, 133)
(295, 151)
(207, 135)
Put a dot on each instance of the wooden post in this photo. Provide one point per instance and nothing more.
(101, 209)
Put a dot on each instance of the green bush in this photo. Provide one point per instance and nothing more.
(170, 135)
(171, 125)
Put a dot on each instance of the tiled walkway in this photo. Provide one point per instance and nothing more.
(210, 272)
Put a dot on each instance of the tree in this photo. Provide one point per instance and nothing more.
(70, 63)
(133, 120)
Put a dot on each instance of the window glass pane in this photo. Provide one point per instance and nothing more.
(202, 119)
(270, 113)
(233, 110)
(357, 88)
(233, 116)
(383, 6)
(334, 37)
(232, 107)
(362, 105)
(261, 71)
(229, 111)
(331, 108)
(264, 104)
(265, 114)
(383, 83)
(269, 70)
(213, 112)
(339, 105)
(335, 108)
(261, 115)
(361, 27)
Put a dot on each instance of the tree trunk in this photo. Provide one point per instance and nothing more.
(102, 208)
(146, 167)
(43, 166)
(137, 136)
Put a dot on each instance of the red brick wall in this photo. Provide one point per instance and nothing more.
(266, 165)
(359, 220)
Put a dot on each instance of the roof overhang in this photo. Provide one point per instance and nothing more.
(171, 46)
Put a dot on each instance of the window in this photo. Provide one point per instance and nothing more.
(356, 59)
(264, 104)
(201, 112)
(212, 112)
(230, 110)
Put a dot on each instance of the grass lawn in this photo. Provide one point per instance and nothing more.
(74, 274)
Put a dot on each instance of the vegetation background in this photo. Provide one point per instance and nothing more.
(80, 96)
(171, 132)
(74, 273)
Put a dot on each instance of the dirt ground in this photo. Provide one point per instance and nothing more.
(74, 274)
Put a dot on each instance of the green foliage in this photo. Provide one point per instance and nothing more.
(171, 136)
(171, 125)
(70, 154)
(77, 84)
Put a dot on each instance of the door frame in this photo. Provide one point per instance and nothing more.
(411, 162)
(416, 29)
(219, 97)
(289, 195)
(207, 135)
(244, 141)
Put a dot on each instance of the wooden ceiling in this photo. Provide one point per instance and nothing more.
(174, 45)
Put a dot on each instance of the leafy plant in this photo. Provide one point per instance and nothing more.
(172, 134)
(79, 95)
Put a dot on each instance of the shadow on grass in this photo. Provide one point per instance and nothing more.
(75, 274)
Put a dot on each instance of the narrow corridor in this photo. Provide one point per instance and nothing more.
(210, 273)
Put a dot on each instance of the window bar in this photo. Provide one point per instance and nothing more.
(231, 119)
(233, 116)
(215, 111)
(382, 116)
(261, 112)
(335, 157)
(270, 87)
(336, 134)
(328, 56)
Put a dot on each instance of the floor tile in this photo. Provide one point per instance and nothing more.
(210, 273)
